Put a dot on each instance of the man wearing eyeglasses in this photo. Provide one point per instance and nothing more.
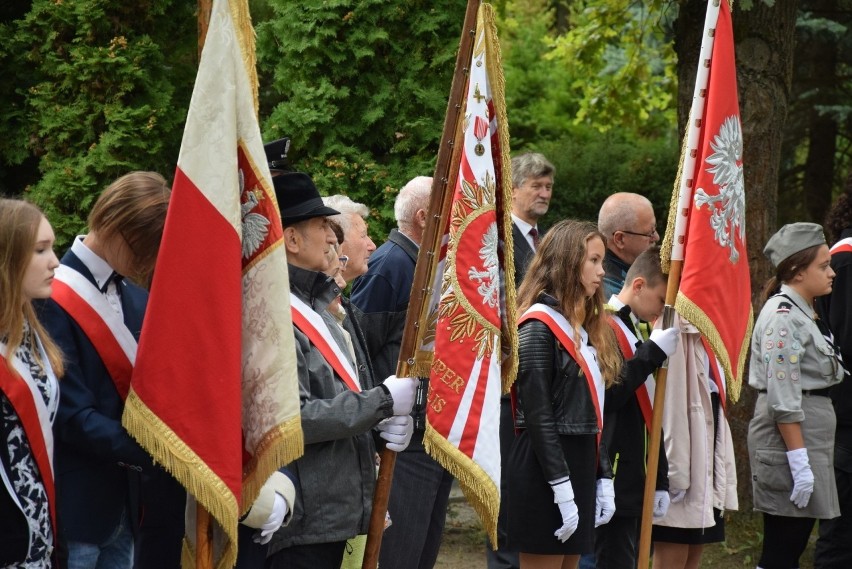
(627, 221)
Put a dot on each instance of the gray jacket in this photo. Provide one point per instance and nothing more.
(336, 476)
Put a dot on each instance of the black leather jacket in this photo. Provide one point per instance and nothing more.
(553, 398)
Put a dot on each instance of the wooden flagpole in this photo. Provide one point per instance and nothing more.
(676, 240)
(656, 426)
(205, 8)
(203, 536)
(446, 169)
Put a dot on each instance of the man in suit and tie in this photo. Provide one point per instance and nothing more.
(95, 316)
(532, 188)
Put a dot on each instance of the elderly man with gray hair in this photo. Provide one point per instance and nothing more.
(627, 221)
(421, 487)
(357, 245)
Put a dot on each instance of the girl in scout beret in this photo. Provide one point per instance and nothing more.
(793, 365)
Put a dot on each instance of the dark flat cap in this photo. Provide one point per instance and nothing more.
(792, 238)
(298, 198)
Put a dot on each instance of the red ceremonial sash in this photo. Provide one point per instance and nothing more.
(842, 246)
(36, 428)
(314, 327)
(628, 348)
(104, 328)
(558, 325)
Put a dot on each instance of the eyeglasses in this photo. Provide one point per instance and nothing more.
(650, 235)
(343, 260)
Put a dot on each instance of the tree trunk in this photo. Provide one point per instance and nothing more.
(818, 55)
(561, 13)
(764, 40)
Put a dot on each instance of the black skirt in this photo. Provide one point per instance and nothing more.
(692, 536)
(532, 516)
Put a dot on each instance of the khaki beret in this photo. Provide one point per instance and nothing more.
(792, 238)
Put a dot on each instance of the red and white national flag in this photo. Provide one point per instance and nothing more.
(214, 393)
(472, 360)
(708, 215)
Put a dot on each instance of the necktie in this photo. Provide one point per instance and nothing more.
(116, 279)
(534, 234)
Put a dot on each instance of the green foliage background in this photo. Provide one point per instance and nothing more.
(101, 87)
(96, 88)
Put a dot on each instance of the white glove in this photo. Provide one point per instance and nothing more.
(563, 497)
(803, 477)
(273, 522)
(661, 504)
(604, 501)
(397, 431)
(677, 495)
(402, 390)
(667, 340)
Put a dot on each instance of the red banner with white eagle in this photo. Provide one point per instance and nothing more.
(708, 215)
(214, 394)
(473, 317)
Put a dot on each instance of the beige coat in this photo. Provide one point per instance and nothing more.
(703, 467)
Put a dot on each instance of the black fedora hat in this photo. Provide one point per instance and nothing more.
(298, 198)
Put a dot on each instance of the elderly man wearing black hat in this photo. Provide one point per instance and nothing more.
(336, 476)
(793, 364)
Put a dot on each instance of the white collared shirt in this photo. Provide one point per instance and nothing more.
(616, 303)
(101, 271)
(524, 228)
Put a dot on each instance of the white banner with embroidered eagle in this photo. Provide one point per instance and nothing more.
(214, 394)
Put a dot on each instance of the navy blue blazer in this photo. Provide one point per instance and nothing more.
(98, 465)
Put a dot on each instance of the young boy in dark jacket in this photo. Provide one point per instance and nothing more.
(628, 409)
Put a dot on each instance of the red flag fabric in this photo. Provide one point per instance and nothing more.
(214, 394)
(475, 328)
(715, 290)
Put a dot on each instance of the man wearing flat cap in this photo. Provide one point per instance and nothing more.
(340, 406)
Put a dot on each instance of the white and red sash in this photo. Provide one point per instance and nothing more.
(22, 392)
(627, 341)
(842, 246)
(104, 327)
(314, 327)
(581, 354)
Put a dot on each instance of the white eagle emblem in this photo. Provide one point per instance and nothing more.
(489, 278)
(255, 226)
(728, 206)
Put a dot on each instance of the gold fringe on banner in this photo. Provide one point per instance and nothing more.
(479, 490)
(698, 318)
(281, 445)
(493, 61)
(188, 468)
(668, 237)
(246, 37)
